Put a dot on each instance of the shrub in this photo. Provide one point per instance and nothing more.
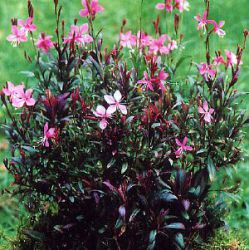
(118, 149)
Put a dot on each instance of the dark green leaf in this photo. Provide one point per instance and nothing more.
(211, 169)
(180, 240)
(34, 234)
(124, 167)
(30, 149)
(152, 240)
(166, 196)
(176, 225)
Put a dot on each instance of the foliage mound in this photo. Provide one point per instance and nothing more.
(117, 149)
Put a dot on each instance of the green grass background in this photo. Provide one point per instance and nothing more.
(12, 62)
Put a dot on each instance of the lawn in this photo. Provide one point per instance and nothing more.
(234, 12)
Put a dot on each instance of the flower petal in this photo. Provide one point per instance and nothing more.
(103, 124)
(100, 110)
(185, 140)
(117, 96)
(111, 109)
(123, 109)
(109, 99)
(160, 6)
(205, 106)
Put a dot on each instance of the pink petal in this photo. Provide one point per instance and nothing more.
(143, 82)
(211, 111)
(188, 148)
(150, 86)
(221, 24)
(178, 142)
(103, 124)
(99, 8)
(84, 28)
(221, 33)
(11, 38)
(84, 3)
(111, 109)
(109, 99)
(19, 90)
(160, 6)
(45, 129)
(197, 18)
(30, 102)
(50, 133)
(212, 22)
(17, 102)
(205, 106)
(201, 111)
(101, 110)
(207, 117)
(87, 39)
(164, 50)
(117, 96)
(163, 75)
(46, 143)
(185, 140)
(28, 93)
(178, 152)
(162, 87)
(162, 38)
(123, 109)
(84, 12)
(6, 92)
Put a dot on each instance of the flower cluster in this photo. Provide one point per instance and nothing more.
(20, 31)
(209, 71)
(170, 5)
(78, 36)
(119, 150)
(203, 22)
(158, 81)
(154, 46)
(91, 8)
(18, 96)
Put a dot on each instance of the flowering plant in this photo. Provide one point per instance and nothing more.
(116, 149)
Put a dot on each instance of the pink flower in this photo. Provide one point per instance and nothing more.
(182, 146)
(157, 45)
(17, 36)
(114, 102)
(12, 90)
(48, 134)
(202, 21)
(219, 60)
(156, 80)
(172, 45)
(146, 81)
(206, 71)
(44, 43)
(217, 28)
(104, 114)
(78, 35)
(168, 6)
(231, 58)
(22, 98)
(144, 39)
(27, 25)
(91, 7)
(162, 76)
(182, 5)
(128, 40)
(206, 112)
